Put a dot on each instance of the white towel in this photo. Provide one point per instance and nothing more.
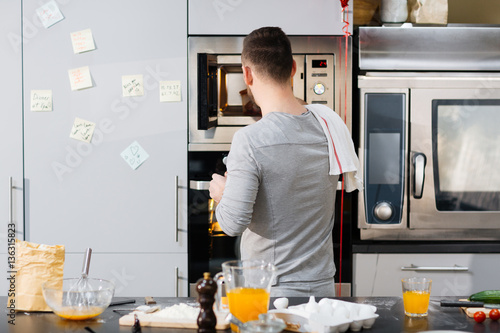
(341, 149)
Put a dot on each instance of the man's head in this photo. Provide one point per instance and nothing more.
(267, 50)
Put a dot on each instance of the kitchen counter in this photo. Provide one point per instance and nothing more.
(390, 309)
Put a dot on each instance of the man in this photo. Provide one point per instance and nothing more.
(282, 174)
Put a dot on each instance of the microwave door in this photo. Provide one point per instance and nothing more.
(207, 91)
(454, 177)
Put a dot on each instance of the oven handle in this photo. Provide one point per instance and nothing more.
(199, 185)
(454, 268)
(419, 161)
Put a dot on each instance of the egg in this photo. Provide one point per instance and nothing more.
(281, 303)
(312, 306)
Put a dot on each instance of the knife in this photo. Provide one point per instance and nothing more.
(469, 304)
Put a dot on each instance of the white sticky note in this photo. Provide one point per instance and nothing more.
(133, 85)
(170, 91)
(134, 155)
(49, 14)
(41, 100)
(80, 78)
(82, 130)
(82, 41)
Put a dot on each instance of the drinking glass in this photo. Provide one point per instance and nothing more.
(416, 294)
(247, 285)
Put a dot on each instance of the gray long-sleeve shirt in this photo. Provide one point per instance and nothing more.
(280, 197)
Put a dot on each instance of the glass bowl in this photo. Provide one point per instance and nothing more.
(70, 299)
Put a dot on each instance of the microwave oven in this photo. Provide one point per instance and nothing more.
(219, 103)
(429, 141)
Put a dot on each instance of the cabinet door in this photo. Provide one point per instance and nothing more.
(11, 117)
(84, 194)
(238, 17)
(452, 274)
(136, 274)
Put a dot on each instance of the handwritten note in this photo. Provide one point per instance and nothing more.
(80, 78)
(41, 100)
(134, 155)
(82, 130)
(82, 41)
(49, 14)
(170, 91)
(132, 85)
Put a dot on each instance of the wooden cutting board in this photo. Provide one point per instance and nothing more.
(470, 311)
(151, 321)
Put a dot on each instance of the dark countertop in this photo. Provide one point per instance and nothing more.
(390, 309)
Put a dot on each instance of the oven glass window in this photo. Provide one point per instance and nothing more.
(466, 138)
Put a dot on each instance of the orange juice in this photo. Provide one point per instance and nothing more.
(416, 302)
(247, 304)
(77, 314)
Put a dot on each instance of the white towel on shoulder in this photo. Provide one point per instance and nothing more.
(341, 149)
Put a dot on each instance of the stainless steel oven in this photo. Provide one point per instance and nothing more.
(429, 133)
(219, 104)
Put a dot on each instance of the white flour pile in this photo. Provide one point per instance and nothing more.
(179, 312)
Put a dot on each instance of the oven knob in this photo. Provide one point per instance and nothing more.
(319, 88)
(383, 211)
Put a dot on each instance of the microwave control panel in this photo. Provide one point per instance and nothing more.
(314, 79)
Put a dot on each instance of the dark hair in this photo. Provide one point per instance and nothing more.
(268, 50)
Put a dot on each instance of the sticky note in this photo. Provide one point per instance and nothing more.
(134, 155)
(132, 85)
(82, 41)
(49, 14)
(41, 100)
(82, 130)
(80, 78)
(170, 91)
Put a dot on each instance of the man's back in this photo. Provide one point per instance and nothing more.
(278, 168)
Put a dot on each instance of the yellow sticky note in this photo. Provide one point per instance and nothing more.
(170, 91)
(132, 85)
(82, 41)
(82, 130)
(80, 78)
(41, 100)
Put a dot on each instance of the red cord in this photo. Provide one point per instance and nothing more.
(345, 29)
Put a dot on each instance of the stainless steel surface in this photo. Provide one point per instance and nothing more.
(86, 262)
(176, 208)
(176, 282)
(423, 221)
(419, 175)
(429, 48)
(199, 185)
(221, 136)
(383, 211)
(455, 268)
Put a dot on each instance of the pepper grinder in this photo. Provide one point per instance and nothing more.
(206, 288)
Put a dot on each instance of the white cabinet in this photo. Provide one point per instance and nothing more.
(452, 274)
(11, 135)
(295, 17)
(136, 274)
(84, 194)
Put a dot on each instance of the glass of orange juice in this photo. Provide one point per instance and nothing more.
(416, 294)
(245, 286)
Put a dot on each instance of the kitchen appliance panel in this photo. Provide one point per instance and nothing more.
(436, 99)
(323, 76)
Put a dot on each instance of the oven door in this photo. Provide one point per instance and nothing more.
(455, 156)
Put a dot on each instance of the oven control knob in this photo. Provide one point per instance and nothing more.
(319, 88)
(383, 211)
